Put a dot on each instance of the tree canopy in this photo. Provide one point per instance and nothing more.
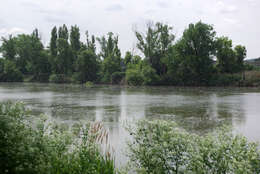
(198, 57)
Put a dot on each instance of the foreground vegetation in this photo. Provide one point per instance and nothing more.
(198, 58)
(162, 147)
(33, 145)
(39, 145)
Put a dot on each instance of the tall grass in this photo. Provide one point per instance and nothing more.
(41, 146)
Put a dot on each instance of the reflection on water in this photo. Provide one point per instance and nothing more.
(197, 110)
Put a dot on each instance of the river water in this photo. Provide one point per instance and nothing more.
(198, 110)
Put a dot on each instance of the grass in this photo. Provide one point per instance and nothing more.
(43, 146)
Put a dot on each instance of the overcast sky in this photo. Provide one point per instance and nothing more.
(237, 19)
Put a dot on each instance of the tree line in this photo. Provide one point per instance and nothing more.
(198, 57)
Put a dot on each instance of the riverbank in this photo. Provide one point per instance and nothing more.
(246, 79)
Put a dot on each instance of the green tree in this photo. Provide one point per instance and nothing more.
(31, 58)
(53, 49)
(194, 53)
(64, 59)
(155, 45)
(128, 58)
(226, 58)
(53, 42)
(240, 52)
(229, 60)
(75, 38)
(91, 42)
(8, 48)
(87, 66)
(11, 73)
(111, 55)
(63, 32)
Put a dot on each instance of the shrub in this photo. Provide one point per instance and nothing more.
(225, 79)
(117, 77)
(134, 77)
(41, 146)
(59, 78)
(162, 147)
(150, 76)
(89, 84)
(75, 77)
(10, 73)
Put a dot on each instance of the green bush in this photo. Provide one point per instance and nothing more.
(225, 79)
(150, 76)
(59, 78)
(89, 84)
(41, 146)
(75, 77)
(162, 147)
(117, 77)
(10, 73)
(134, 77)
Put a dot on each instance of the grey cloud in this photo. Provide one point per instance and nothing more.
(2, 23)
(60, 13)
(150, 11)
(225, 8)
(163, 4)
(29, 4)
(54, 19)
(231, 21)
(228, 10)
(115, 7)
(51, 13)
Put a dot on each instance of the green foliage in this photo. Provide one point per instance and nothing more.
(64, 58)
(225, 55)
(63, 32)
(53, 49)
(225, 79)
(159, 147)
(134, 77)
(229, 60)
(117, 77)
(91, 43)
(109, 66)
(87, 66)
(194, 53)
(162, 147)
(9, 72)
(53, 42)
(155, 45)
(150, 75)
(48, 147)
(128, 58)
(58, 78)
(8, 47)
(189, 61)
(75, 38)
(111, 55)
(89, 84)
(240, 52)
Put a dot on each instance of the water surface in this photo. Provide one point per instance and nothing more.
(197, 110)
